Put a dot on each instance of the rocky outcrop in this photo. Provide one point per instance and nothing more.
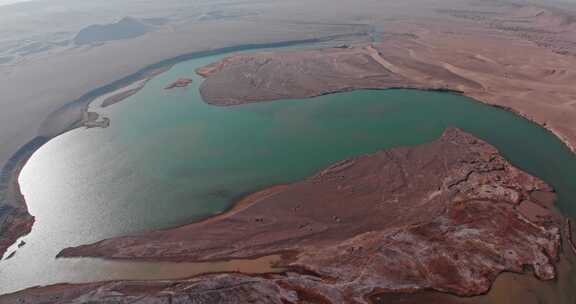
(448, 215)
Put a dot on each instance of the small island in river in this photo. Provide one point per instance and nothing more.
(449, 216)
(180, 83)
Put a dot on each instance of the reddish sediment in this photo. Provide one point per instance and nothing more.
(180, 83)
(444, 216)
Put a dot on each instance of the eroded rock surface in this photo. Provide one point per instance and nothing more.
(446, 215)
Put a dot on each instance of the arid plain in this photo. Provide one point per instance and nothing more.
(515, 55)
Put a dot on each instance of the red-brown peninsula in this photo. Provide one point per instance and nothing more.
(450, 216)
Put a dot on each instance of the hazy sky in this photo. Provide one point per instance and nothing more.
(4, 2)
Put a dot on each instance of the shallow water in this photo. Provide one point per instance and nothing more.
(169, 159)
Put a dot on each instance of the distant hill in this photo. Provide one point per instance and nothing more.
(124, 29)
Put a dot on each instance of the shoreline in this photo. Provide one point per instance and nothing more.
(237, 204)
(282, 269)
(14, 197)
(555, 133)
(242, 202)
(565, 141)
(22, 156)
(214, 70)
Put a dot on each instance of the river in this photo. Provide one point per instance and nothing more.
(168, 158)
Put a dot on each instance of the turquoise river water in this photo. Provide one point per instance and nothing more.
(168, 159)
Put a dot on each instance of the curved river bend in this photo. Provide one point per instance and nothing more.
(168, 159)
